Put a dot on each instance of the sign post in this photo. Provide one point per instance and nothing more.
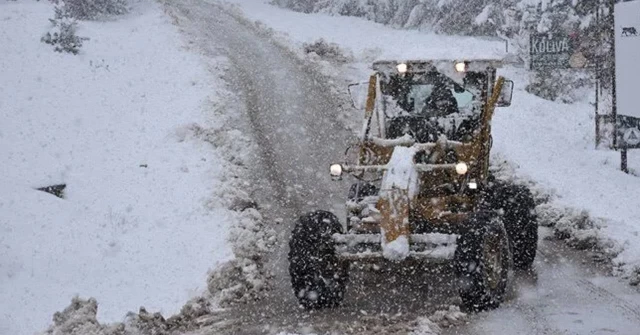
(626, 95)
(555, 51)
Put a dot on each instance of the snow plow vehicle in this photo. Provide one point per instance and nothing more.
(423, 187)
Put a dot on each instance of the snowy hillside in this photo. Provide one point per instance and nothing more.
(550, 144)
(511, 21)
(141, 221)
(507, 19)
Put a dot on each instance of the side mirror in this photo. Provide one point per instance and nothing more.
(504, 100)
(358, 93)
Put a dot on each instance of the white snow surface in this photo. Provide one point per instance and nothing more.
(368, 40)
(396, 250)
(138, 225)
(401, 172)
(553, 144)
(550, 144)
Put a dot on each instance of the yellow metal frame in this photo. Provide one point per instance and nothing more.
(396, 207)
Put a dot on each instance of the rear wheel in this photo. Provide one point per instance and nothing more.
(520, 220)
(318, 277)
(483, 263)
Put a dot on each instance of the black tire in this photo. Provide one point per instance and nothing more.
(518, 207)
(318, 277)
(483, 263)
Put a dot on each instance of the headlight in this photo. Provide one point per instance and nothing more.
(461, 168)
(461, 66)
(402, 67)
(473, 185)
(335, 170)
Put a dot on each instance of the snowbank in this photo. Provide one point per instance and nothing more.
(549, 144)
(552, 144)
(140, 223)
(368, 40)
(507, 20)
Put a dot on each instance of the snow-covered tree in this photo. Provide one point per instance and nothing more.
(62, 35)
(92, 9)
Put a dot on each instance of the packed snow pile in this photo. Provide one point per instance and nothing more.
(325, 50)
(449, 317)
(245, 277)
(443, 318)
(80, 318)
(574, 226)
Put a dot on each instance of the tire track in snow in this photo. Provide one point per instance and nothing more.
(292, 113)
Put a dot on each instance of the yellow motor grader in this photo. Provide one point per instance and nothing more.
(423, 187)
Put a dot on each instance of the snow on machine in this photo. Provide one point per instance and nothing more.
(423, 188)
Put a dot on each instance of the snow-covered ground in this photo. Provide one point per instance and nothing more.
(367, 40)
(122, 125)
(550, 144)
(141, 223)
(553, 145)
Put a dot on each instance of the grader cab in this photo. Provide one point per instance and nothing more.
(423, 188)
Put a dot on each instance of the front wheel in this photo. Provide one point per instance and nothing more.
(483, 263)
(318, 277)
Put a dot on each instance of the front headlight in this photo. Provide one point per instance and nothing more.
(402, 68)
(462, 168)
(335, 170)
(461, 66)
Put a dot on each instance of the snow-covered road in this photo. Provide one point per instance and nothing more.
(292, 114)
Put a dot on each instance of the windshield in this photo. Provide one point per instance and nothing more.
(429, 103)
(420, 94)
